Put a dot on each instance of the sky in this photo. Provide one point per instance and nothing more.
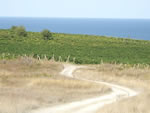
(76, 8)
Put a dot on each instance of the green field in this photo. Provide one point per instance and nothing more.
(84, 49)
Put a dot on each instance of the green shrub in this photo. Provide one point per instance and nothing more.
(13, 28)
(19, 30)
(47, 35)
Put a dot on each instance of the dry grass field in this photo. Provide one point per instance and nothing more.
(27, 84)
(137, 78)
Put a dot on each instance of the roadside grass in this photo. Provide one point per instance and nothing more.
(134, 77)
(27, 83)
(139, 104)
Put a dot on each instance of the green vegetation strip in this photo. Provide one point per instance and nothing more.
(82, 49)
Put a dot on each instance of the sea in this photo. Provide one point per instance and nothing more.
(123, 28)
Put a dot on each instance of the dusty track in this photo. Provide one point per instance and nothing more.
(89, 105)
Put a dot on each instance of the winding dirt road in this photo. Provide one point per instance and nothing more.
(89, 105)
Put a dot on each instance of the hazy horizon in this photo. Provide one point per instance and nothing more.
(133, 28)
(71, 17)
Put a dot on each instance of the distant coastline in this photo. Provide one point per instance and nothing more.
(123, 28)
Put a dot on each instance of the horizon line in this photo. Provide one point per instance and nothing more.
(69, 17)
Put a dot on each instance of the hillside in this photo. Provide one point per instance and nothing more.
(83, 49)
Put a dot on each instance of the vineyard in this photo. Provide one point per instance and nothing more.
(81, 49)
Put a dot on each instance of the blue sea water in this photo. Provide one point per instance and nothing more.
(125, 28)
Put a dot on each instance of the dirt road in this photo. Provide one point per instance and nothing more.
(89, 105)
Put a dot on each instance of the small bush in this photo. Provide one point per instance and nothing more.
(47, 35)
(19, 30)
(13, 28)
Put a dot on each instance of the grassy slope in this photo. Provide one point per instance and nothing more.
(86, 49)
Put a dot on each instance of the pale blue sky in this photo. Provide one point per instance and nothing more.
(76, 8)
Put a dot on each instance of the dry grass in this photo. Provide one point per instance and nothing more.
(27, 83)
(139, 104)
(29, 67)
(133, 77)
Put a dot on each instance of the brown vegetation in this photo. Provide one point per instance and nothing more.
(27, 83)
(137, 78)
